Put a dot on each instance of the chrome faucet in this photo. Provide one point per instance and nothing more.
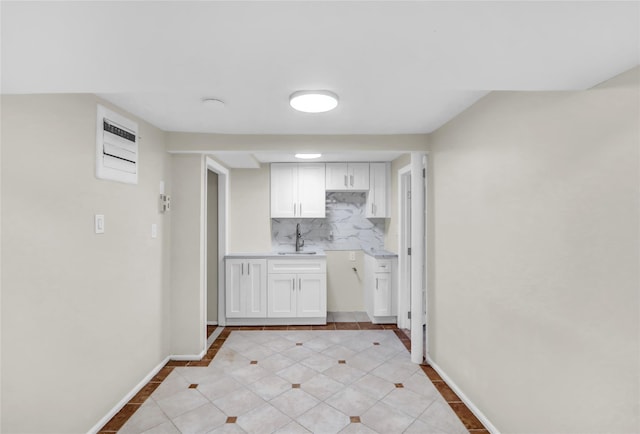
(299, 240)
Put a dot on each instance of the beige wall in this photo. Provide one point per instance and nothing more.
(344, 285)
(187, 280)
(391, 241)
(249, 210)
(84, 316)
(212, 246)
(534, 303)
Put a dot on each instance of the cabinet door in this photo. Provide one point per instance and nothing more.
(382, 294)
(312, 295)
(359, 176)
(255, 288)
(311, 190)
(234, 299)
(281, 296)
(284, 190)
(337, 177)
(377, 198)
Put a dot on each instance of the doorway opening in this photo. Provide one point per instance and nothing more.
(215, 243)
(212, 248)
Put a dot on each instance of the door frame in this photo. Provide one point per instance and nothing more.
(404, 261)
(223, 206)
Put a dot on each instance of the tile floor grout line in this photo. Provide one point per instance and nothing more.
(355, 326)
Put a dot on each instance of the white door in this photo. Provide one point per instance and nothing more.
(382, 294)
(311, 190)
(404, 259)
(337, 178)
(233, 288)
(284, 190)
(281, 296)
(312, 295)
(359, 176)
(254, 290)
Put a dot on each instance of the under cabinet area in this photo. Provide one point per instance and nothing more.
(276, 291)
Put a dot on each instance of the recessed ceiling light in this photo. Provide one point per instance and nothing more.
(213, 102)
(313, 101)
(308, 156)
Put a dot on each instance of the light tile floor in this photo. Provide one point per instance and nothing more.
(300, 382)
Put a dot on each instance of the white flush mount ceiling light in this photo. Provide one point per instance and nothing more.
(214, 103)
(308, 156)
(313, 101)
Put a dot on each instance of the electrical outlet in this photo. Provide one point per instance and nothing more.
(352, 256)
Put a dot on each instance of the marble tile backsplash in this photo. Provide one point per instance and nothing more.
(345, 227)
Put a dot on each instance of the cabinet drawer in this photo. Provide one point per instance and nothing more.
(296, 266)
(382, 266)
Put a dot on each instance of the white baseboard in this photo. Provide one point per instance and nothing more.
(212, 322)
(102, 422)
(188, 357)
(475, 410)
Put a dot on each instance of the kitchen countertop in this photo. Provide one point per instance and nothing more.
(380, 254)
(276, 255)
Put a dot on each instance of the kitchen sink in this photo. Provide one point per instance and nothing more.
(296, 253)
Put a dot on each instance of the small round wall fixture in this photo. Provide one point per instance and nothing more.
(308, 156)
(313, 101)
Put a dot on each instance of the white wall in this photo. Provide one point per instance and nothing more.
(534, 303)
(249, 210)
(345, 286)
(84, 316)
(391, 241)
(187, 254)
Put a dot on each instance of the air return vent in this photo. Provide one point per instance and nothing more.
(116, 147)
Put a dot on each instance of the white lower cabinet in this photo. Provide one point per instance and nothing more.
(278, 291)
(380, 294)
(382, 302)
(245, 288)
(297, 289)
(296, 295)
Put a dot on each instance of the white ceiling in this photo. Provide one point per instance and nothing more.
(398, 67)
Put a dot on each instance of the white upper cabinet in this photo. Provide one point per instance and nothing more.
(379, 191)
(297, 190)
(347, 176)
(311, 192)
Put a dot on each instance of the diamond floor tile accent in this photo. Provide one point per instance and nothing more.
(336, 381)
(265, 419)
(202, 419)
(294, 402)
(323, 419)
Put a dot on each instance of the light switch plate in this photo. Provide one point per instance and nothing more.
(154, 230)
(99, 223)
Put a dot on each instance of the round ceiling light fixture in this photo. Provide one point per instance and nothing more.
(213, 103)
(313, 101)
(308, 156)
